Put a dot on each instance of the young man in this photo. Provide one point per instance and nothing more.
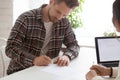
(38, 35)
(96, 71)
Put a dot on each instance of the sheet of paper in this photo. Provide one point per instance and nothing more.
(59, 71)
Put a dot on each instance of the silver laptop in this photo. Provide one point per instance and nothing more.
(108, 51)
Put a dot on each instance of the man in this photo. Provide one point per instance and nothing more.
(38, 35)
(96, 71)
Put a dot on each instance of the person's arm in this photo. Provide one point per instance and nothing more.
(70, 41)
(102, 70)
(72, 48)
(14, 44)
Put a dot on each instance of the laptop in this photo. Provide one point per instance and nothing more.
(108, 51)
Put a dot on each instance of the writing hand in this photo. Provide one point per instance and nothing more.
(42, 60)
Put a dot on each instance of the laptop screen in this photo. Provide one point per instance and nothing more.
(107, 49)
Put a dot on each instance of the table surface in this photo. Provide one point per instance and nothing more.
(75, 71)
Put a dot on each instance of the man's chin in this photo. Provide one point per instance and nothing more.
(54, 21)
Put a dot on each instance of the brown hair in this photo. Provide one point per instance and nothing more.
(116, 10)
(70, 3)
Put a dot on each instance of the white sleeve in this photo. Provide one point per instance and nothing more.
(98, 78)
(102, 78)
(115, 71)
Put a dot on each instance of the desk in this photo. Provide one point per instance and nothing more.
(75, 71)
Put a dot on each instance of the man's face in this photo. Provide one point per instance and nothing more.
(58, 11)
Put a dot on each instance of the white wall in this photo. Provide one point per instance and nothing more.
(19, 6)
(11, 9)
(26, 5)
(6, 17)
(37, 3)
(96, 17)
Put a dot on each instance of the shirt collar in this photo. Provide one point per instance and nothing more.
(39, 11)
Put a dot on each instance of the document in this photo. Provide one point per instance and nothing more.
(62, 71)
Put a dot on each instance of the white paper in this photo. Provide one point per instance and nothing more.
(63, 71)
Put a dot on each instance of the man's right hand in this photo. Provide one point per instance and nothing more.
(42, 60)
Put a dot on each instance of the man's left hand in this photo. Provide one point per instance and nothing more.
(62, 60)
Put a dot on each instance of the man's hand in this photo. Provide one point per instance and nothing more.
(62, 60)
(42, 60)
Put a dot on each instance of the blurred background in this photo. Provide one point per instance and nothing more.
(96, 17)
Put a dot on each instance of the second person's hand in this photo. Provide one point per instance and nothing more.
(90, 75)
(101, 70)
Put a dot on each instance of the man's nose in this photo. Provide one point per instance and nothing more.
(59, 16)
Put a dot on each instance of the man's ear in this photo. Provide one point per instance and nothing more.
(51, 1)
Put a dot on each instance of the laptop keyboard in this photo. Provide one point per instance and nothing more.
(113, 64)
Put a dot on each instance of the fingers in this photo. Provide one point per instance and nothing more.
(91, 74)
(96, 68)
(100, 70)
(45, 60)
(42, 61)
(62, 61)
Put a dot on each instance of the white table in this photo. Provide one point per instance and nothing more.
(75, 71)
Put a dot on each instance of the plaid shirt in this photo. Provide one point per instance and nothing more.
(27, 38)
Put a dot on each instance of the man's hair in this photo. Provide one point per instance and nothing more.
(70, 3)
(116, 10)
